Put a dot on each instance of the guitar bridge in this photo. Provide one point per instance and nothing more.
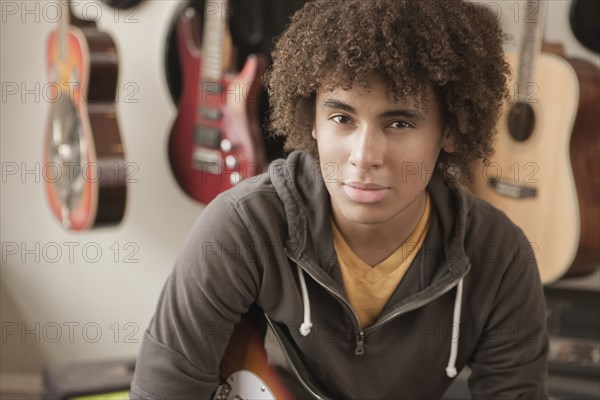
(208, 161)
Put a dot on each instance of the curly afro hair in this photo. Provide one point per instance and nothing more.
(453, 46)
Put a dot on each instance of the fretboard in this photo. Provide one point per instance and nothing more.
(63, 30)
(215, 26)
(531, 45)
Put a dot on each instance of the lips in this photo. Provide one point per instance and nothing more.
(365, 192)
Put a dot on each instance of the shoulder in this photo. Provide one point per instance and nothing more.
(465, 216)
(483, 220)
(477, 229)
(253, 196)
(250, 211)
(493, 240)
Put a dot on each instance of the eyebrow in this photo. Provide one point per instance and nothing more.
(401, 112)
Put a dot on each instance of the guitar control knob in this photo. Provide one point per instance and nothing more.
(235, 178)
(190, 12)
(226, 145)
(231, 162)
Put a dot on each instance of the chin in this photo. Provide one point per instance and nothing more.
(372, 214)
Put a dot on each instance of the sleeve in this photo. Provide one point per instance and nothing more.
(510, 359)
(214, 281)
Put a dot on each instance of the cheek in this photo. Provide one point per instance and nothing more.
(329, 144)
(331, 155)
(414, 162)
(415, 150)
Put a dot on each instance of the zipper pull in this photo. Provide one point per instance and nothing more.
(360, 344)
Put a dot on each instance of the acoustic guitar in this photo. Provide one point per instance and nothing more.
(83, 152)
(249, 371)
(530, 177)
(585, 141)
(216, 140)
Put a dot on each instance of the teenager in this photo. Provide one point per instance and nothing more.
(387, 274)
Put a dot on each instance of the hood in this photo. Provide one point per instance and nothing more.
(300, 186)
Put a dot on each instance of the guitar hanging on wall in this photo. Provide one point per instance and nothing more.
(215, 141)
(530, 176)
(83, 152)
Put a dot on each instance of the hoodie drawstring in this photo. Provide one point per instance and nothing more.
(451, 368)
(306, 325)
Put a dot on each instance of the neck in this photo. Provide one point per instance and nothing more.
(63, 28)
(373, 243)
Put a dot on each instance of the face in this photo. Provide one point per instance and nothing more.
(377, 155)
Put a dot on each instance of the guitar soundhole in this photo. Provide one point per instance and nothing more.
(521, 121)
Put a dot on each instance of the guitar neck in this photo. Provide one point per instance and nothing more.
(215, 26)
(63, 29)
(531, 45)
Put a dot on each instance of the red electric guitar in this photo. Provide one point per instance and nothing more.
(83, 153)
(216, 140)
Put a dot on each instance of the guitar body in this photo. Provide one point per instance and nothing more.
(246, 356)
(83, 152)
(585, 159)
(215, 141)
(249, 371)
(531, 179)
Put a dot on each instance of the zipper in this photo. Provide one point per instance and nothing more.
(360, 337)
(412, 306)
(360, 344)
(333, 292)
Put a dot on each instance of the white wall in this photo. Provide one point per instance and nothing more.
(72, 296)
(93, 291)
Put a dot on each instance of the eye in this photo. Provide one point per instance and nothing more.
(401, 124)
(340, 119)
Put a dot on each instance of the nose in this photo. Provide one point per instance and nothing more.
(368, 147)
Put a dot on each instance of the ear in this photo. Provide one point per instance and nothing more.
(448, 142)
(314, 132)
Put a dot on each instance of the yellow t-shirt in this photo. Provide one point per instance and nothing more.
(369, 288)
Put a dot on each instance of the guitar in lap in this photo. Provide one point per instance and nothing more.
(249, 371)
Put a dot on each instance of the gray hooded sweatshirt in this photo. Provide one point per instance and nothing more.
(472, 296)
